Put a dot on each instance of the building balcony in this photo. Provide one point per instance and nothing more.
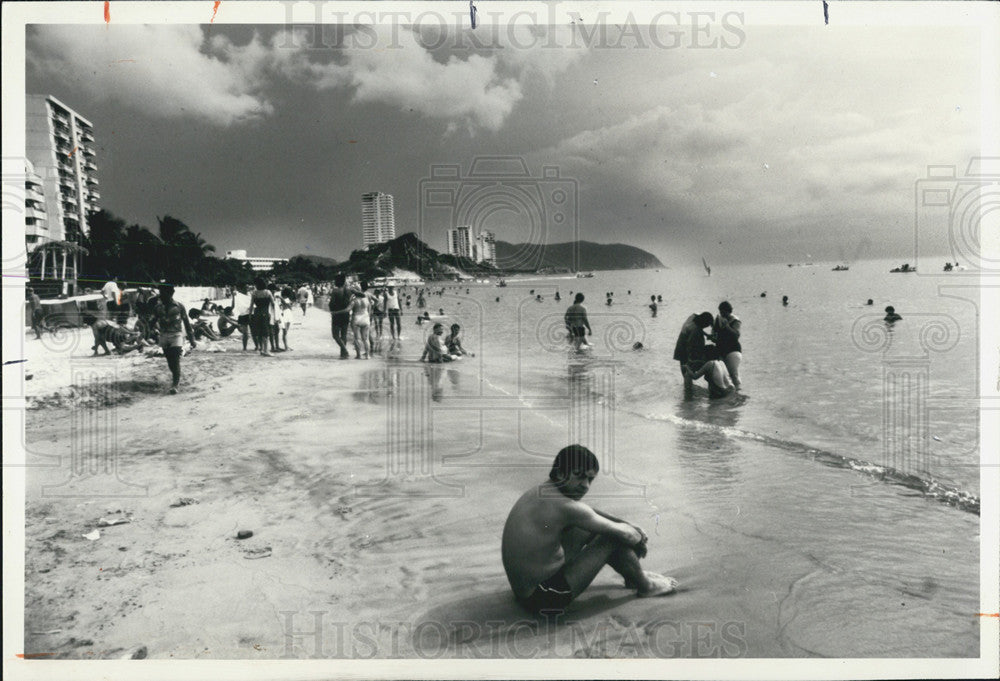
(35, 212)
(94, 195)
(88, 152)
(91, 166)
(92, 181)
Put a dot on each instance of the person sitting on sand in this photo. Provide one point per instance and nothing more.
(104, 331)
(434, 349)
(554, 545)
(454, 343)
(890, 315)
(715, 372)
(228, 323)
(577, 323)
(202, 329)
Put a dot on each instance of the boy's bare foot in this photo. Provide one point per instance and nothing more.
(659, 586)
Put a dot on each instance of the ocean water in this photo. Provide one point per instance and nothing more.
(837, 494)
(831, 508)
(823, 377)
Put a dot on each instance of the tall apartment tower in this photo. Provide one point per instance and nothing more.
(36, 220)
(378, 224)
(486, 248)
(60, 145)
(460, 242)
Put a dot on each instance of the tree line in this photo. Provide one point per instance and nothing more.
(176, 253)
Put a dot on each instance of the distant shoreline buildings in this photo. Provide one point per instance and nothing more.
(378, 222)
(482, 248)
(258, 263)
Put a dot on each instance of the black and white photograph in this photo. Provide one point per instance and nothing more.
(489, 339)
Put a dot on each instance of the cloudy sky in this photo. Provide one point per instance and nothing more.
(737, 142)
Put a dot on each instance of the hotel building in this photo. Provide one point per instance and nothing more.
(59, 143)
(378, 224)
(258, 263)
(460, 242)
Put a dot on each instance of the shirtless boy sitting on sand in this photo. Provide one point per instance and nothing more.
(554, 545)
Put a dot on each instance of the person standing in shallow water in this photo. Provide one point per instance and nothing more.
(173, 323)
(577, 323)
(690, 349)
(726, 333)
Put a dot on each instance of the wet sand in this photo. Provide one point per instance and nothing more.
(376, 523)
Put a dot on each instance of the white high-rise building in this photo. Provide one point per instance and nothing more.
(460, 242)
(486, 248)
(378, 223)
(60, 145)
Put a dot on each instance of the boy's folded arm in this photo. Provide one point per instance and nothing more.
(586, 518)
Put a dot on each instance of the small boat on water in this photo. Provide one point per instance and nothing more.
(841, 268)
(584, 275)
(948, 267)
(502, 283)
(904, 268)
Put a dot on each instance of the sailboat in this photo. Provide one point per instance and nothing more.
(708, 270)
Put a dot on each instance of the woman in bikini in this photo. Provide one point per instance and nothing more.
(360, 321)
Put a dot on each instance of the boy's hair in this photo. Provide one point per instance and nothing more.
(572, 459)
(259, 282)
(194, 313)
(438, 326)
(704, 319)
(725, 307)
(455, 327)
(339, 279)
(579, 298)
(227, 310)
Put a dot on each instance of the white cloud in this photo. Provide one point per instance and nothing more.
(160, 70)
(176, 70)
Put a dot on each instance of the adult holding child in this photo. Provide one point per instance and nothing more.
(690, 350)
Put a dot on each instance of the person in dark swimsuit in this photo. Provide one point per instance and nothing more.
(340, 314)
(261, 312)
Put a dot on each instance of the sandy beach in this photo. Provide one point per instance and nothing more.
(288, 447)
(376, 523)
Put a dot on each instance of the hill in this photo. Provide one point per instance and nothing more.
(316, 259)
(573, 256)
(408, 252)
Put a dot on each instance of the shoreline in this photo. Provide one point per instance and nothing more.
(394, 541)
